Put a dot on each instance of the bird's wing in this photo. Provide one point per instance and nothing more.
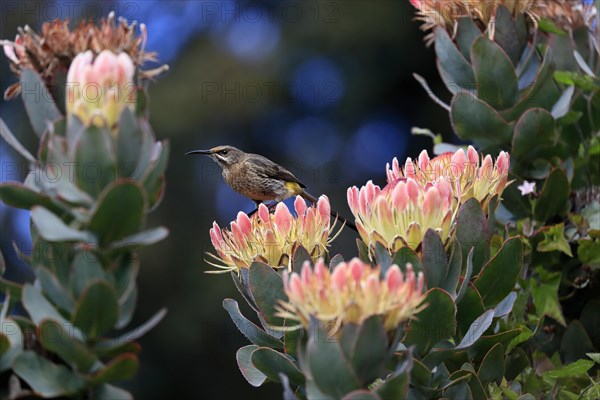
(272, 170)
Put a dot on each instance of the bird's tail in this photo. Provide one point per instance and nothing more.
(307, 196)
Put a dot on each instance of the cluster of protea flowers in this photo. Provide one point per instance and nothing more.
(353, 292)
(446, 13)
(272, 238)
(98, 90)
(423, 196)
(54, 49)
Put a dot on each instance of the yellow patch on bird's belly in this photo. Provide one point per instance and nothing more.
(293, 187)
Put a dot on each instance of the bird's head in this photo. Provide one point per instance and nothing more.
(222, 155)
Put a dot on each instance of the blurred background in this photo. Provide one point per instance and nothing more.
(324, 88)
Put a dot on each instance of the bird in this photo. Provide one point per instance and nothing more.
(258, 178)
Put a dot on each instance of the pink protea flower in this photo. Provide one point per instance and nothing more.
(272, 238)
(424, 195)
(468, 174)
(351, 293)
(99, 89)
(402, 212)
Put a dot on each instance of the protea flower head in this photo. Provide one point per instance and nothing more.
(99, 89)
(353, 292)
(446, 13)
(569, 14)
(53, 50)
(401, 213)
(424, 195)
(272, 238)
(468, 174)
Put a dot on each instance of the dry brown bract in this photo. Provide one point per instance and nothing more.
(53, 50)
(446, 13)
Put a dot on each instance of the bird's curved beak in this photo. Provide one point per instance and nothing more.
(205, 152)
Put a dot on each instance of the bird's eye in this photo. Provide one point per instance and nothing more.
(223, 152)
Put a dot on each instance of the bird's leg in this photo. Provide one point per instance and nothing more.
(251, 213)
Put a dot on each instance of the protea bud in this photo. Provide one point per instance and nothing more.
(272, 238)
(98, 90)
(466, 173)
(353, 292)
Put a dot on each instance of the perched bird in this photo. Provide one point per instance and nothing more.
(259, 178)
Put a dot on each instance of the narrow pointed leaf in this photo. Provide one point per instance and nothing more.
(13, 142)
(248, 370)
(272, 363)
(39, 104)
(478, 327)
(252, 332)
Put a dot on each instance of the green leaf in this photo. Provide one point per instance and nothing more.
(120, 212)
(144, 238)
(12, 340)
(53, 289)
(299, 257)
(266, 287)
(478, 327)
(595, 357)
(590, 318)
(469, 309)
(466, 34)
(85, 268)
(329, 368)
(456, 72)
(56, 339)
(547, 25)
(38, 101)
(109, 348)
(506, 35)
(515, 363)
(492, 366)
(252, 332)
(40, 309)
(545, 295)
(383, 258)
(472, 232)
(20, 196)
(573, 370)
(96, 310)
(247, 368)
(120, 368)
(454, 267)
(486, 342)
(129, 143)
(46, 378)
(554, 240)
(13, 142)
(553, 197)
(110, 392)
(435, 262)
(154, 180)
(466, 277)
(473, 119)
(542, 93)
(141, 330)
(361, 394)
(534, 135)
(575, 343)
(95, 160)
(495, 74)
(498, 278)
(579, 80)
(394, 387)
(369, 353)
(436, 322)
(407, 255)
(271, 363)
(53, 229)
(589, 252)
(505, 306)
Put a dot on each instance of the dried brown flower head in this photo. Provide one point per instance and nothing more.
(567, 14)
(52, 50)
